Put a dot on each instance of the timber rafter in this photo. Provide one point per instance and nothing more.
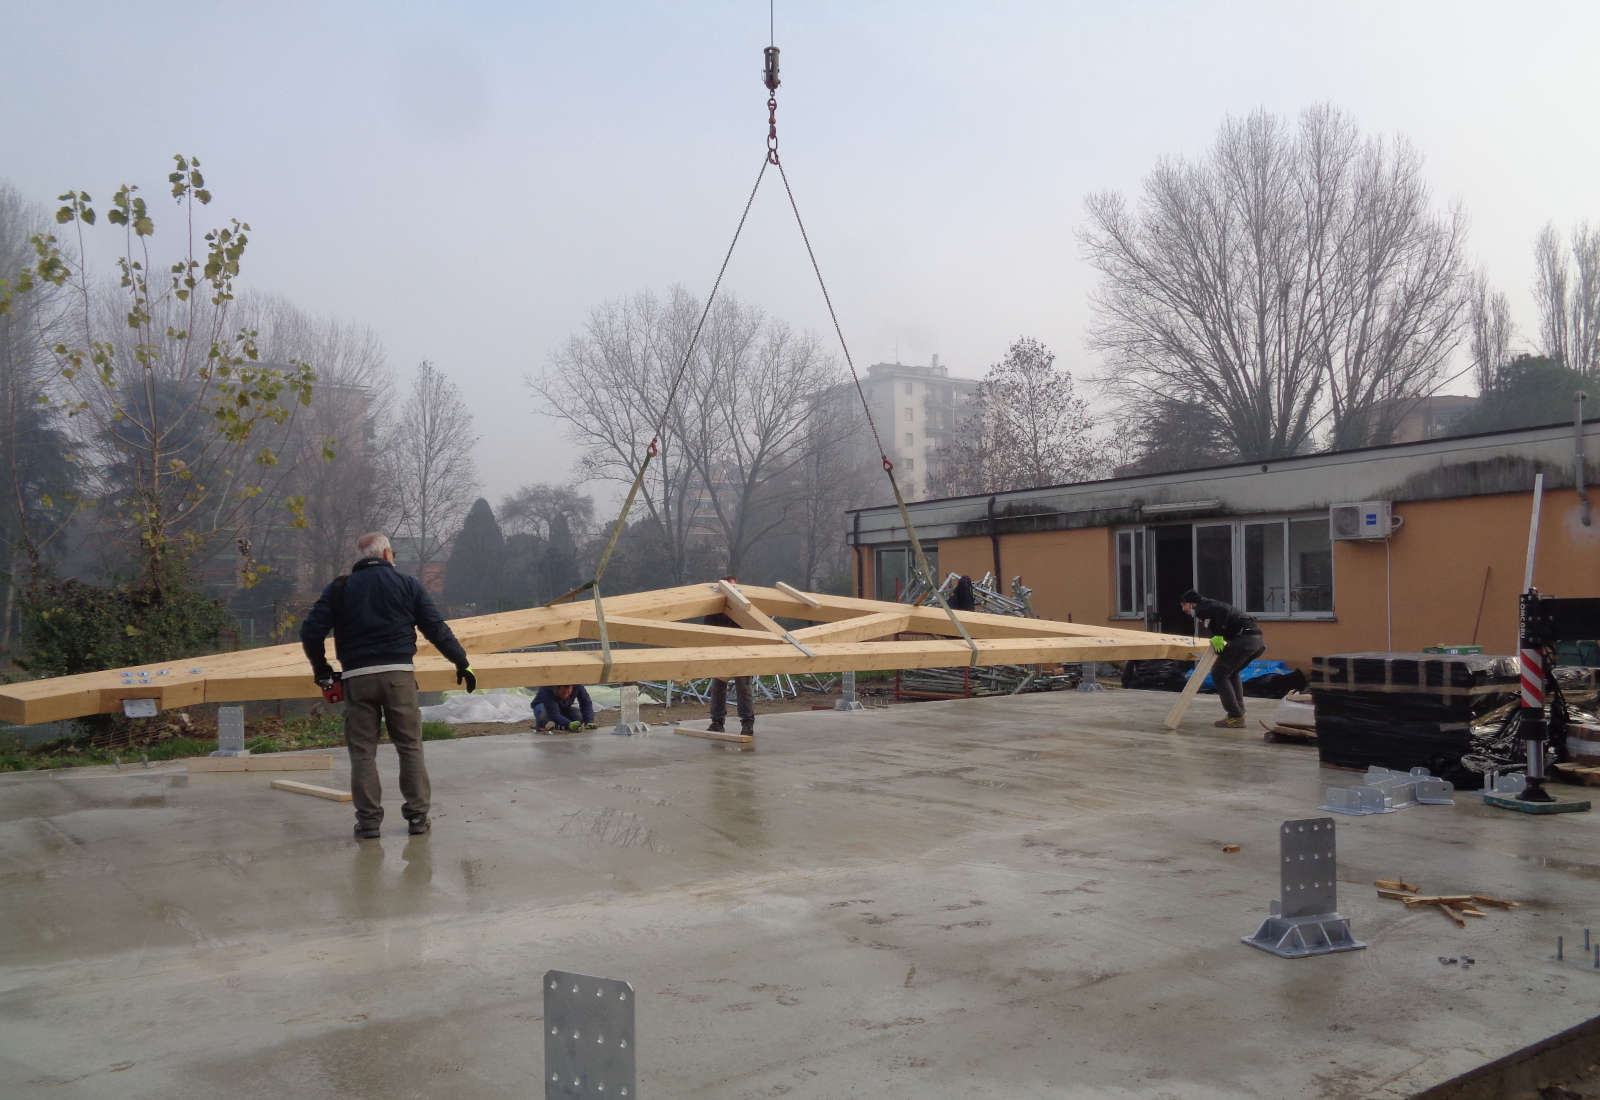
(847, 634)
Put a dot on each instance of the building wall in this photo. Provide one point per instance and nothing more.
(1423, 588)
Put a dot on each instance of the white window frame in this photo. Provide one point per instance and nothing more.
(1130, 605)
(1140, 537)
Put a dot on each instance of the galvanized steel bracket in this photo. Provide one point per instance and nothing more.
(588, 1037)
(1303, 921)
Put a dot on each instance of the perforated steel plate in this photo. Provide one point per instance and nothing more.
(1309, 868)
(588, 1037)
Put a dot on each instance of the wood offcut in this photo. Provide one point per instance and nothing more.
(296, 787)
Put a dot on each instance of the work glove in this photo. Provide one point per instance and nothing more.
(464, 672)
(588, 725)
(1218, 642)
(323, 675)
(574, 726)
(547, 726)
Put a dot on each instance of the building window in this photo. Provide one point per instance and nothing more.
(908, 465)
(1130, 572)
(893, 571)
(909, 387)
(910, 440)
(908, 414)
(1288, 567)
(1310, 565)
(1265, 587)
(1277, 568)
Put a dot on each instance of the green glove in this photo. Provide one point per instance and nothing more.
(1218, 642)
(574, 726)
(589, 725)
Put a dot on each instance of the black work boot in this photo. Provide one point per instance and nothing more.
(367, 831)
(716, 727)
(419, 825)
(748, 728)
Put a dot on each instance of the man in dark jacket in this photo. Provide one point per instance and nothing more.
(375, 613)
(562, 707)
(1237, 640)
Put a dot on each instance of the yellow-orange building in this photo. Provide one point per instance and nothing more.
(1386, 548)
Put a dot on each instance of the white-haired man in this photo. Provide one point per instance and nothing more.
(374, 613)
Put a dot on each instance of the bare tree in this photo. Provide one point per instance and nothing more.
(1293, 278)
(835, 476)
(428, 454)
(750, 423)
(1490, 322)
(1568, 295)
(532, 510)
(609, 385)
(1028, 427)
(333, 461)
(734, 434)
(37, 477)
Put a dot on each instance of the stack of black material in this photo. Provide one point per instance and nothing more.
(1405, 710)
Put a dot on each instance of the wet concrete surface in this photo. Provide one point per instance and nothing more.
(1019, 897)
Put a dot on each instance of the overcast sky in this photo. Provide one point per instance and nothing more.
(471, 179)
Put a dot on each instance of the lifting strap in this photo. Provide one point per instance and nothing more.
(769, 157)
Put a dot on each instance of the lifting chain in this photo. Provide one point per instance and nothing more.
(769, 76)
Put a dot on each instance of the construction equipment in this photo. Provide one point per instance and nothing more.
(1543, 623)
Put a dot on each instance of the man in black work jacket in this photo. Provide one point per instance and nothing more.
(374, 614)
(1237, 640)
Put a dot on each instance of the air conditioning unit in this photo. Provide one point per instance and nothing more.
(1369, 519)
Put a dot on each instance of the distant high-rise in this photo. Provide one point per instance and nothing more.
(916, 409)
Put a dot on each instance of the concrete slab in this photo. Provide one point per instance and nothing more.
(1019, 897)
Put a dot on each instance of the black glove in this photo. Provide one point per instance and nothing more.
(323, 675)
(464, 672)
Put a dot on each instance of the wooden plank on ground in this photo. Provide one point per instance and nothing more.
(268, 762)
(713, 735)
(1201, 670)
(310, 788)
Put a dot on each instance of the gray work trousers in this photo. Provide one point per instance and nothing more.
(1225, 673)
(393, 697)
(744, 695)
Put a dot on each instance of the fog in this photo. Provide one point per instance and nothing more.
(471, 181)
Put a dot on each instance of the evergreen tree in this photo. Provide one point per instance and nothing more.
(476, 571)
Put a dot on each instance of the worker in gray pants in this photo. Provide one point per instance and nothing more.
(1237, 641)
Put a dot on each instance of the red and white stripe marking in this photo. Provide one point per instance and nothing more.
(1532, 679)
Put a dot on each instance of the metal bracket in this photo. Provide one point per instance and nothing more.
(1386, 791)
(1303, 921)
(847, 693)
(230, 732)
(588, 1037)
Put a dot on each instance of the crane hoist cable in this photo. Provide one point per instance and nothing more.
(770, 79)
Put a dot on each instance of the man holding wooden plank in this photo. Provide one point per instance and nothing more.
(375, 613)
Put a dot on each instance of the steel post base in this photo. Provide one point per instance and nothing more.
(1298, 937)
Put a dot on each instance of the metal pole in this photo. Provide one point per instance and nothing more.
(1533, 531)
(1530, 717)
